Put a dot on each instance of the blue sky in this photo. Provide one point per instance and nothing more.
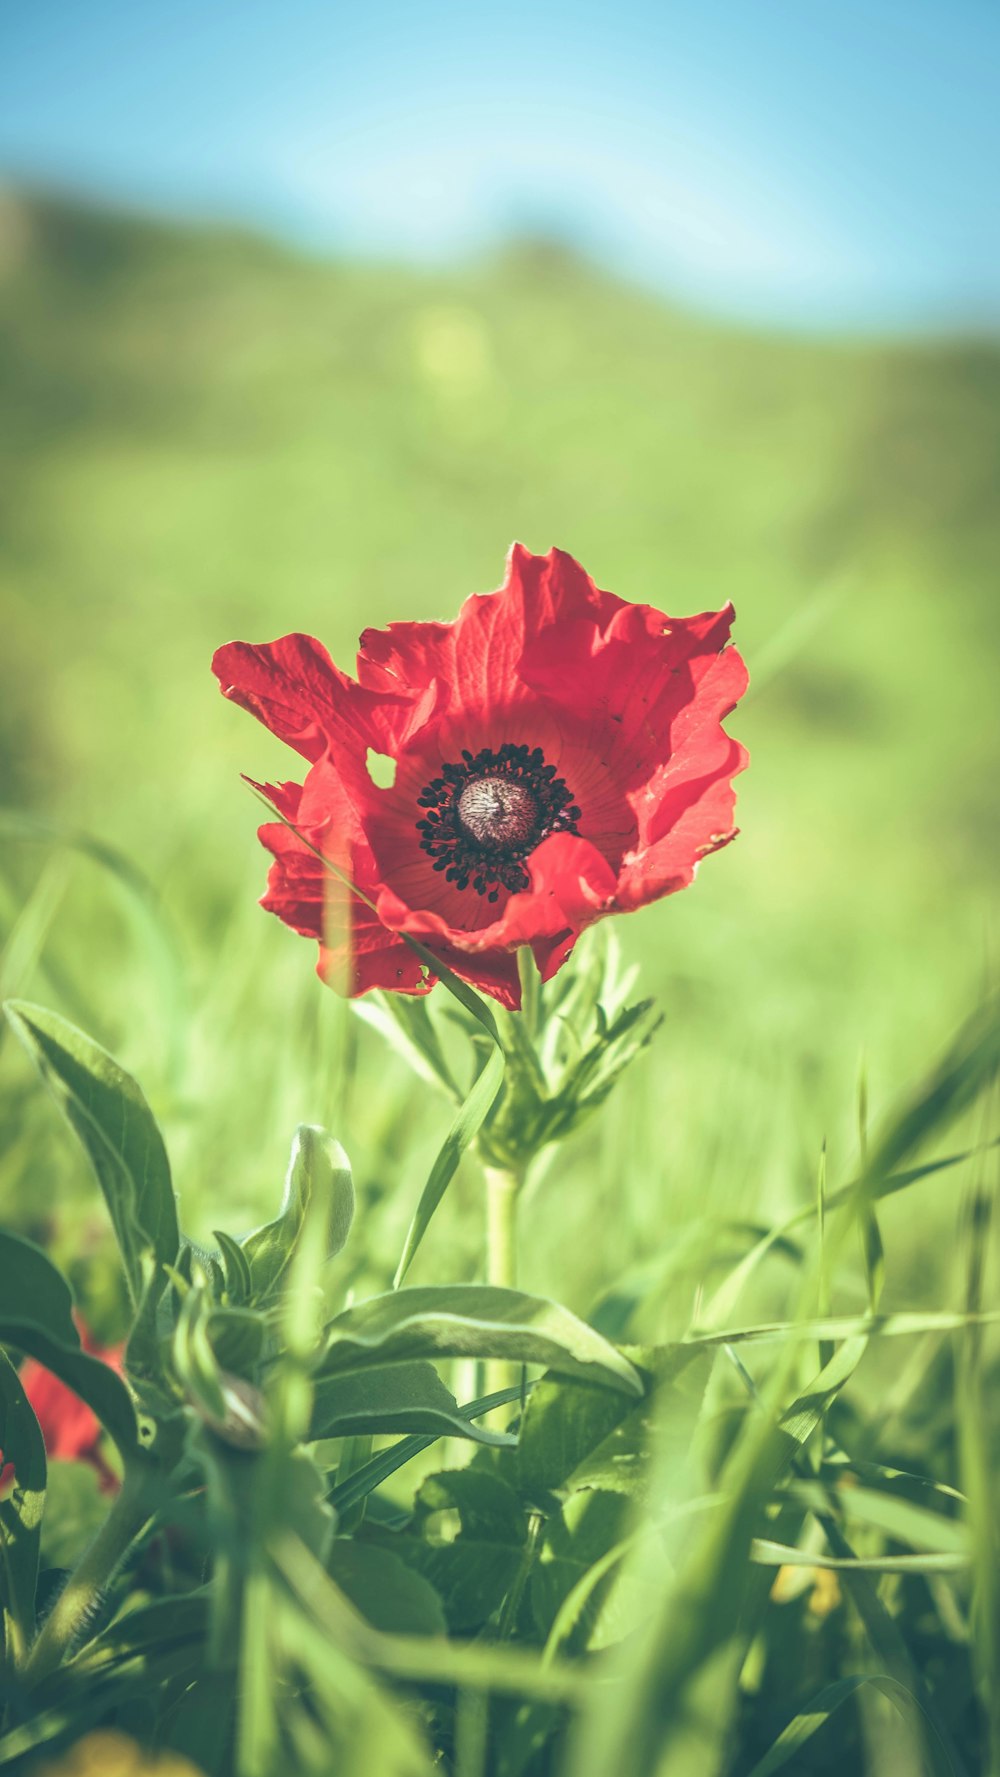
(783, 160)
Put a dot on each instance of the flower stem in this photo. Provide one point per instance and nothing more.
(502, 1188)
(97, 1567)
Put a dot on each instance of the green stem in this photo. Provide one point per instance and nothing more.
(96, 1569)
(502, 1187)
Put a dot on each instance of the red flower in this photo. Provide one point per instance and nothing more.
(559, 755)
(70, 1429)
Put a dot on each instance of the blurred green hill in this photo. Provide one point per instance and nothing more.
(205, 435)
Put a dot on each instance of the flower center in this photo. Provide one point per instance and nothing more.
(497, 810)
(486, 815)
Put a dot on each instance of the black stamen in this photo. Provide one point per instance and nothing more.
(487, 815)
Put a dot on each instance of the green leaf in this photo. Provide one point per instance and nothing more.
(390, 1594)
(304, 1508)
(381, 1467)
(109, 1114)
(195, 1361)
(896, 1516)
(208, 1346)
(970, 1064)
(237, 1337)
(22, 1444)
(406, 1025)
(134, 1639)
(817, 1713)
(872, 1251)
(318, 1169)
(236, 1268)
(473, 1570)
(577, 1435)
(145, 907)
(849, 1326)
(407, 1397)
(653, 1716)
(28, 935)
(771, 1554)
(36, 1318)
(464, 1129)
(576, 1542)
(597, 1072)
(75, 1509)
(345, 1722)
(472, 1320)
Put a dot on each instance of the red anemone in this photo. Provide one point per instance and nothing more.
(559, 755)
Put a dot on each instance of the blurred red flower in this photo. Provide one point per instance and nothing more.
(559, 755)
(70, 1429)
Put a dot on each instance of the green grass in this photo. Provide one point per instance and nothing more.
(203, 436)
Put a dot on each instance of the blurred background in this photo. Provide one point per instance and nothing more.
(304, 316)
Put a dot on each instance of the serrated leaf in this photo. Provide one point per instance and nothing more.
(471, 1572)
(106, 1109)
(576, 1435)
(473, 1320)
(318, 1169)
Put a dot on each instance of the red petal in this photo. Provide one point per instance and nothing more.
(477, 658)
(294, 689)
(633, 686)
(571, 886)
(694, 820)
(490, 971)
(357, 953)
(626, 703)
(71, 1431)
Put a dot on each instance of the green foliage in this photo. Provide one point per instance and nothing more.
(471, 1321)
(390, 1594)
(116, 1127)
(396, 1397)
(474, 1568)
(243, 1386)
(35, 1318)
(317, 1169)
(21, 1511)
(577, 1436)
(627, 1515)
(564, 1052)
